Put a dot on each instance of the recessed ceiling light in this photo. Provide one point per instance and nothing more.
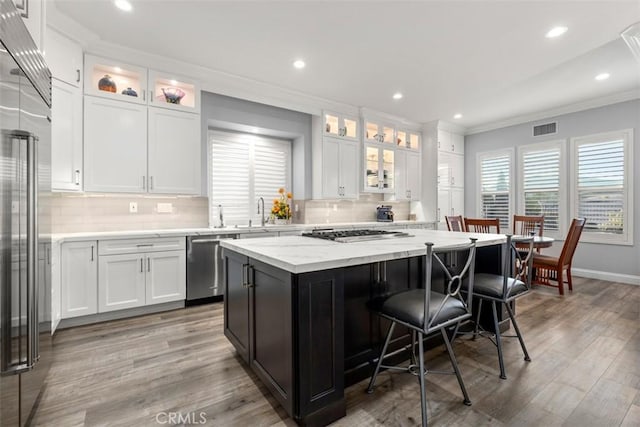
(117, 69)
(299, 64)
(173, 82)
(397, 95)
(556, 32)
(123, 5)
(457, 116)
(602, 76)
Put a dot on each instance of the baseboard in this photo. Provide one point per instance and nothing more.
(605, 275)
(119, 314)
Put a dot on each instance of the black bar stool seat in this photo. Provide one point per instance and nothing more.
(408, 307)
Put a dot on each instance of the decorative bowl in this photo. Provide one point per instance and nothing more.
(107, 84)
(173, 95)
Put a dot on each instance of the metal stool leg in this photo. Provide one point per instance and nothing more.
(477, 326)
(423, 392)
(454, 363)
(384, 349)
(503, 374)
(515, 326)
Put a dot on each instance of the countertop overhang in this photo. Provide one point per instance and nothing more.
(299, 254)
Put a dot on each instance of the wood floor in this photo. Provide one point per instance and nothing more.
(585, 371)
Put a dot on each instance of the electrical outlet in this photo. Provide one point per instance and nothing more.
(164, 207)
(133, 207)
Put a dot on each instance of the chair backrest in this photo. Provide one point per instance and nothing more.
(482, 225)
(453, 284)
(455, 223)
(519, 261)
(524, 225)
(571, 242)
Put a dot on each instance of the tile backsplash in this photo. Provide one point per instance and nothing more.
(73, 213)
(94, 212)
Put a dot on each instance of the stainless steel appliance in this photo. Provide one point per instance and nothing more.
(384, 214)
(205, 272)
(348, 236)
(25, 187)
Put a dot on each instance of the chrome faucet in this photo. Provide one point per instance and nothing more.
(261, 201)
(221, 216)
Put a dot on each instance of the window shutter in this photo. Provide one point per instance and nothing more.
(230, 180)
(495, 188)
(601, 186)
(271, 165)
(541, 184)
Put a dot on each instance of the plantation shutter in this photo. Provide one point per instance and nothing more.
(541, 185)
(495, 188)
(271, 166)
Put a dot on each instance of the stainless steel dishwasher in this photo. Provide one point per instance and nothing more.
(205, 271)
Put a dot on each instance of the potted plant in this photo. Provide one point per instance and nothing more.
(281, 210)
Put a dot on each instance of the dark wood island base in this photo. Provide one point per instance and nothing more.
(308, 336)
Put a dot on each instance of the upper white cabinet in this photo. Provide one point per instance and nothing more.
(408, 139)
(64, 58)
(341, 126)
(451, 142)
(379, 173)
(66, 136)
(376, 131)
(173, 92)
(407, 175)
(174, 152)
(450, 170)
(339, 169)
(115, 146)
(115, 80)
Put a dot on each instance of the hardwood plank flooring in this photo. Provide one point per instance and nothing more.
(585, 371)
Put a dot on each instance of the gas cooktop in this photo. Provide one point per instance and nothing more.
(347, 236)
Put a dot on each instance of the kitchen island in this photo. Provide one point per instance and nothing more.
(297, 309)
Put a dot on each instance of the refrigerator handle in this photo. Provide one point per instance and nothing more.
(33, 353)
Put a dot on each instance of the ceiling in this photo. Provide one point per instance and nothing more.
(488, 60)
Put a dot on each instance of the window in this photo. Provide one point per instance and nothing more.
(496, 186)
(541, 184)
(601, 185)
(244, 168)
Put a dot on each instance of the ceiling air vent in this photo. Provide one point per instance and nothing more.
(545, 129)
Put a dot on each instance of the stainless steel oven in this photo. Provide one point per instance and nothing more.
(205, 272)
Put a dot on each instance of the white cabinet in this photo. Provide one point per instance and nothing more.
(115, 146)
(379, 169)
(115, 80)
(138, 272)
(79, 279)
(450, 141)
(339, 169)
(376, 131)
(408, 139)
(64, 58)
(174, 152)
(173, 92)
(450, 170)
(338, 125)
(407, 175)
(66, 136)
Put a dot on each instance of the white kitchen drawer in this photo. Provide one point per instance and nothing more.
(128, 246)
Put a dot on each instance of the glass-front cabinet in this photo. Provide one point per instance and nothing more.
(341, 126)
(169, 91)
(115, 80)
(379, 169)
(378, 132)
(408, 139)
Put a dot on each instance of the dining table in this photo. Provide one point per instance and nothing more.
(539, 242)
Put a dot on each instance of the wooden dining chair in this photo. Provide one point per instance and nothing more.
(482, 225)
(548, 269)
(524, 225)
(455, 223)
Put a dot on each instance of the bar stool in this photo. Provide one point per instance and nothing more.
(503, 289)
(425, 311)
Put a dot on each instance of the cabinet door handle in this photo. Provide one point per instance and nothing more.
(438, 214)
(245, 275)
(438, 144)
(148, 264)
(77, 75)
(144, 182)
(91, 252)
(151, 183)
(144, 95)
(150, 96)
(77, 176)
(453, 147)
(141, 265)
(452, 180)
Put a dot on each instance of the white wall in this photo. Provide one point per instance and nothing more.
(615, 259)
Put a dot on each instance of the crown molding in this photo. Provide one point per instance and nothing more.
(368, 112)
(614, 98)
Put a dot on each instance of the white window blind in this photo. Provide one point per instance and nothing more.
(541, 184)
(495, 187)
(601, 185)
(244, 168)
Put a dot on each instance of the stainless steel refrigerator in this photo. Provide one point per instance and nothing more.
(25, 191)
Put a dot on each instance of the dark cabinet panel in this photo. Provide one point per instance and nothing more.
(236, 302)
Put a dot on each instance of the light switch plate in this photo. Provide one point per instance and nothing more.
(133, 207)
(164, 207)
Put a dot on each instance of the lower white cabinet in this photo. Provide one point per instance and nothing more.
(79, 279)
(165, 277)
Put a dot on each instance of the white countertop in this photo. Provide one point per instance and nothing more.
(298, 254)
(131, 234)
